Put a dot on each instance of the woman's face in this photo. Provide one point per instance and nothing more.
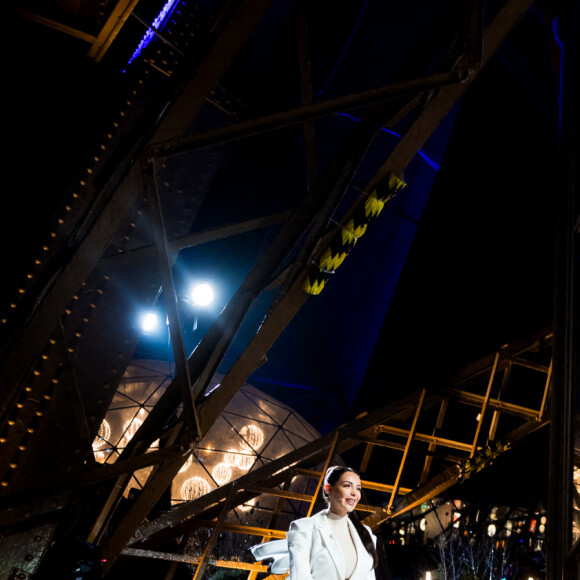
(344, 494)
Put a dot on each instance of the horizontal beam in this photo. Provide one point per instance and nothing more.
(361, 507)
(401, 447)
(241, 529)
(186, 559)
(277, 492)
(308, 498)
(375, 486)
(307, 472)
(316, 475)
(530, 365)
(495, 404)
(308, 112)
(54, 24)
(421, 437)
(208, 235)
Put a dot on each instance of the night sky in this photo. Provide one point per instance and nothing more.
(480, 269)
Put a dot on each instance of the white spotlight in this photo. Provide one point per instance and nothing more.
(149, 321)
(202, 294)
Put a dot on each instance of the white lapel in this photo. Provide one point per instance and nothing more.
(331, 542)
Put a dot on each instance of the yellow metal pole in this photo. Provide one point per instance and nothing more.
(406, 452)
(433, 444)
(546, 393)
(216, 532)
(484, 406)
(367, 455)
(321, 479)
(497, 413)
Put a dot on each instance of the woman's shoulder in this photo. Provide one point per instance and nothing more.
(302, 524)
(309, 522)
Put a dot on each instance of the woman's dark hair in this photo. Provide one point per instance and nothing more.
(332, 477)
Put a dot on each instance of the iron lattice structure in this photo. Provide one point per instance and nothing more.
(68, 335)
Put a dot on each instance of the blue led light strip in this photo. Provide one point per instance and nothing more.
(157, 24)
(427, 159)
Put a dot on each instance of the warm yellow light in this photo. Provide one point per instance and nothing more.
(194, 487)
(222, 473)
(187, 464)
(253, 435)
(231, 457)
(242, 459)
(103, 436)
(246, 458)
(130, 428)
(101, 456)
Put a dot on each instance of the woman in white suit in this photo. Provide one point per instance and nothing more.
(332, 545)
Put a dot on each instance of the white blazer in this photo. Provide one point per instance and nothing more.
(315, 552)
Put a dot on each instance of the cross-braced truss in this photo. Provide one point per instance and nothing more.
(68, 338)
(424, 434)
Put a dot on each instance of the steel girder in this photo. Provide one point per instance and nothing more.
(77, 294)
(75, 298)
